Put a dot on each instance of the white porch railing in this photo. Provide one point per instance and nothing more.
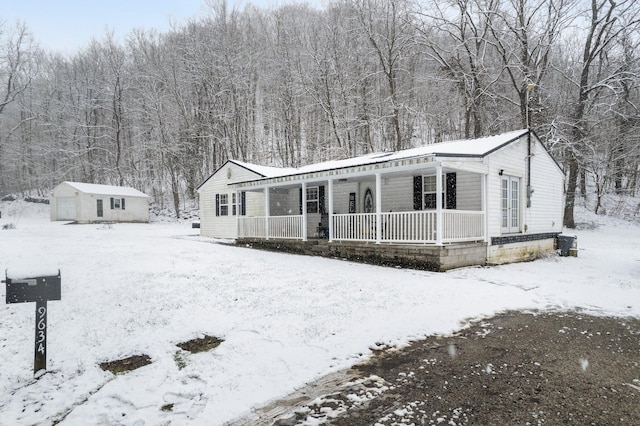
(396, 227)
(417, 227)
(354, 227)
(289, 227)
(462, 225)
(251, 227)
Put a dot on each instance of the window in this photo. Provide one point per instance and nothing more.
(429, 192)
(224, 204)
(117, 203)
(510, 203)
(99, 212)
(424, 192)
(313, 198)
(233, 202)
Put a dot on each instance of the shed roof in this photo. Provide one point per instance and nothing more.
(94, 188)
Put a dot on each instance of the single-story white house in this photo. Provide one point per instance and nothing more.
(490, 200)
(90, 203)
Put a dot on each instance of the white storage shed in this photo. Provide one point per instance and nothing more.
(90, 203)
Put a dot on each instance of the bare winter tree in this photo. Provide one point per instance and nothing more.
(456, 35)
(604, 23)
(18, 67)
(388, 28)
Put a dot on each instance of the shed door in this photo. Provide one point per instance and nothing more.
(66, 208)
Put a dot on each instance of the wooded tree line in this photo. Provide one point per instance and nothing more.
(298, 84)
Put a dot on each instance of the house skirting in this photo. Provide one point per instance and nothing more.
(520, 248)
(423, 257)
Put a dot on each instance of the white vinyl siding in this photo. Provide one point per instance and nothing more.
(468, 191)
(226, 226)
(546, 211)
(510, 161)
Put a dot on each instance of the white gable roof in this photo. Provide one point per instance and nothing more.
(474, 148)
(93, 188)
(460, 148)
(264, 171)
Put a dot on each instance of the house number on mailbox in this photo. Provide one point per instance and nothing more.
(39, 290)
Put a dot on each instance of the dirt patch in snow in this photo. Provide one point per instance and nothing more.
(515, 368)
(126, 364)
(200, 344)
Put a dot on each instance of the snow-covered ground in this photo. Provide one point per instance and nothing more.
(285, 319)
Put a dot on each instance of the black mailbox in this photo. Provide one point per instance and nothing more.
(36, 289)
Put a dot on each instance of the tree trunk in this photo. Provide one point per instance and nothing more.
(572, 183)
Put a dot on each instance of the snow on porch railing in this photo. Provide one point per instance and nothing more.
(289, 227)
(462, 225)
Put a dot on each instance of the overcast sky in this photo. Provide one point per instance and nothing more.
(68, 25)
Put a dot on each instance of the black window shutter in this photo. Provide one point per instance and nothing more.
(451, 190)
(111, 203)
(243, 203)
(300, 193)
(321, 200)
(417, 192)
(217, 204)
(122, 204)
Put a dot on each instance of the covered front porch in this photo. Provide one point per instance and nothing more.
(422, 227)
(413, 201)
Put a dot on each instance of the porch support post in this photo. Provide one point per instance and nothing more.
(330, 207)
(237, 207)
(485, 222)
(266, 212)
(439, 226)
(304, 211)
(378, 208)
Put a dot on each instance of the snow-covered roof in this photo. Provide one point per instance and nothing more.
(264, 171)
(460, 148)
(467, 148)
(94, 188)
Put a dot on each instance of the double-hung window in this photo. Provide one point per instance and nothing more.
(313, 198)
(117, 203)
(233, 204)
(224, 204)
(429, 192)
(425, 192)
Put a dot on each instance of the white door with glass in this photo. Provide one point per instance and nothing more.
(510, 204)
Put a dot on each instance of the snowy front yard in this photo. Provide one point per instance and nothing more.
(286, 320)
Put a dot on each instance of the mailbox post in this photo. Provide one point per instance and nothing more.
(40, 290)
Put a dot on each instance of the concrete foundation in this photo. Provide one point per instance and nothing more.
(424, 257)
